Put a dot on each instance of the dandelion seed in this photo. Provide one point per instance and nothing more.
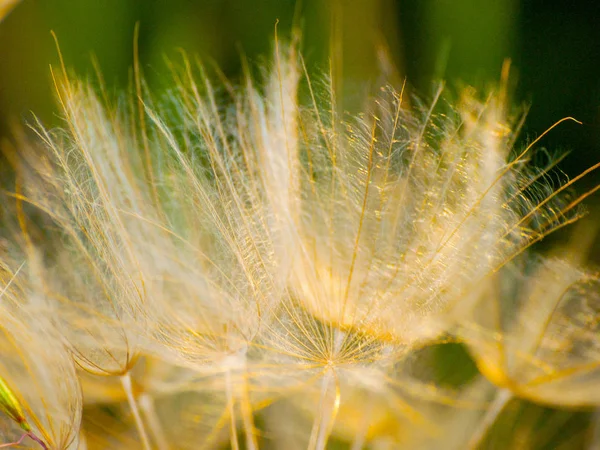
(39, 388)
(273, 254)
(534, 336)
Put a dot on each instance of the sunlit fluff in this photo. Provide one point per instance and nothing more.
(269, 244)
(36, 367)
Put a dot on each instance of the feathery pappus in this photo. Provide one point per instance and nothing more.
(245, 266)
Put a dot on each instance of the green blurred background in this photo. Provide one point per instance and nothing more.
(554, 46)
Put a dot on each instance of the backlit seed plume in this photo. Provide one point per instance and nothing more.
(535, 332)
(270, 253)
(39, 390)
(402, 213)
(96, 305)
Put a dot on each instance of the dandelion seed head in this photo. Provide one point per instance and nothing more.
(234, 251)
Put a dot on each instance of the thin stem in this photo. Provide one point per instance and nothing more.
(30, 435)
(503, 396)
(38, 440)
(126, 382)
(235, 445)
(156, 429)
(247, 417)
(328, 407)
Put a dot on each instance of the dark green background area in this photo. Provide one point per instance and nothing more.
(554, 47)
